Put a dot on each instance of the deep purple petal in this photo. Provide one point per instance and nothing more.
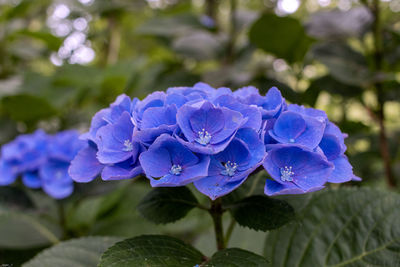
(310, 169)
(31, 180)
(232, 121)
(343, 171)
(157, 116)
(7, 175)
(155, 162)
(115, 141)
(121, 171)
(215, 187)
(237, 151)
(85, 166)
(182, 118)
(289, 126)
(331, 146)
(189, 174)
(212, 120)
(209, 149)
(273, 188)
(59, 190)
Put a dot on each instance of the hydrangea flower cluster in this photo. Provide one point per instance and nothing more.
(42, 161)
(214, 138)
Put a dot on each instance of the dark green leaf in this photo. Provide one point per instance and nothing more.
(151, 250)
(344, 63)
(167, 204)
(346, 227)
(262, 213)
(235, 257)
(284, 37)
(23, 230)
(27, 108)
(84, 252)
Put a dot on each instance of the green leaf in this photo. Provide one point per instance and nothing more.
(27, 108)
(346, 227)
(233, 257)
(83, 252)
(344, 63)
(284, 37)
(20, 230)
(262, 213)
(151, 250)
(167, 204)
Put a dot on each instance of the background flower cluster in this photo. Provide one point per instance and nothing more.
(42, 161)
(214, 138)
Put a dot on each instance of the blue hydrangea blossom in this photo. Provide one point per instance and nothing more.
(214, 138)
(42, 161)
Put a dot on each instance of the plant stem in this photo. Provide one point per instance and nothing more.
(229, 231)
(216, 212)
(114, 42)
(378, 62)
(61, 216)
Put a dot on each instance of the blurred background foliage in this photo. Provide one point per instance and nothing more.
(62, 60)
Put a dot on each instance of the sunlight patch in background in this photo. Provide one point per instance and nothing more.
(287, 6)
(76, 49)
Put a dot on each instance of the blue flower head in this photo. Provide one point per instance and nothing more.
(212, 137)
(42, 161)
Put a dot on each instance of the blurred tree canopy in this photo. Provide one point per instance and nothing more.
(62, 60)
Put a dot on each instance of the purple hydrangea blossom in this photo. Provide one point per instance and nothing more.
(214, 138)
(295, 170)
(169, 163)
(42, 161)
(230, 167)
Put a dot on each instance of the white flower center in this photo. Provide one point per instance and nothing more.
(230, 168)
(204, 137)
(128, 146)
(175, 169)
(286, 174)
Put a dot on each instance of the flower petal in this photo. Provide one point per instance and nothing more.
(85, 166)
(31, 180)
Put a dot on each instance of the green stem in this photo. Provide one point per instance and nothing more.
(229, 231)
(61, 217)
(216, 212)
(232, 224)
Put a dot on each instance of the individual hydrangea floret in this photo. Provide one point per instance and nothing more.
(42, 161)
(168, 163)
(295, 169)
(215, 138)
(230, 168)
